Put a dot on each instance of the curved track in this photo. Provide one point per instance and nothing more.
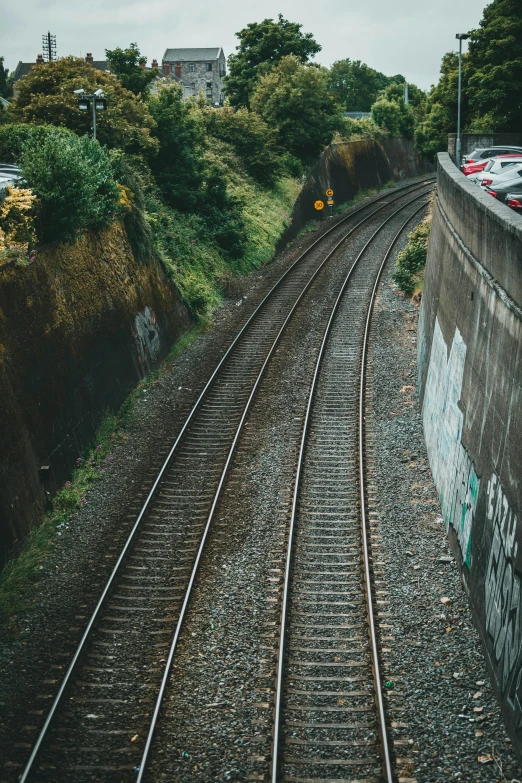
(329, 711)
(124, 656)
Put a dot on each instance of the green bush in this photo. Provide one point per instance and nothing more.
(412, 260)
(14, 136)
(73, 180)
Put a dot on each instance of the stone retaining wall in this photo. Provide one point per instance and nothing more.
(350, 168)
(79, 327)
(470, 381)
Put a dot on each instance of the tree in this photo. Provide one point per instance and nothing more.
(129, 66)
(262, 45)
(178, 167)
(253, 140)
(356, 85)
(495, 68)
(45, 96)
(395, 92)
(440, 109)
(294, 100)
(5, 83)
(387, 115)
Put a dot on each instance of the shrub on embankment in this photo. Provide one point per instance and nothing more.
(411, 261)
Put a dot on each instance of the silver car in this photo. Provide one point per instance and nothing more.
(489, 152)
(495, 166)
(510, 174)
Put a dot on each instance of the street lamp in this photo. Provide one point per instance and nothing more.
(99, 103)
(458, 146)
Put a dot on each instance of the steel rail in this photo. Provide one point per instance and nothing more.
(181, 617)
(364, 524)
(101, 601)
(291, 529)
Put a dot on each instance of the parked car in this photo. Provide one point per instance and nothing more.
(512, 188)
(9, 175)
(514, 200)
(508, 175)
(489, 152)
(494, 166)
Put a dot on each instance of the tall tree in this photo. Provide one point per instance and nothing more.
(45, 96)
(356, 85)
(294, 99)
(129, 66)
(261, 46)
(495, 61)
(5, 87)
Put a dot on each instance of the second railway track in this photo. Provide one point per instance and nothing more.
(112, 686)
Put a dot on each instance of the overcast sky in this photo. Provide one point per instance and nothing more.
(393, 36)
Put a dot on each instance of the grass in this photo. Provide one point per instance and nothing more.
(19, 578)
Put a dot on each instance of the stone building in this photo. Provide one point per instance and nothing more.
(198, 69)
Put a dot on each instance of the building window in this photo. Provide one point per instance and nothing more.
(209, 85)
(209, 66)
(191, 67)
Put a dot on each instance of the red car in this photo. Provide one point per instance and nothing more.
(480, 165)
(515, 202)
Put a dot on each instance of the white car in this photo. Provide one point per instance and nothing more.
(489, 180)
(495, 166)
(9, 176)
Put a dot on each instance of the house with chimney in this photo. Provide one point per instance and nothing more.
(22, 69)
(196, 70)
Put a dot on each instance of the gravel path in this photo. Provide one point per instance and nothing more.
(442, 707)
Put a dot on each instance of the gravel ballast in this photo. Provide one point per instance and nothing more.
(441, 705)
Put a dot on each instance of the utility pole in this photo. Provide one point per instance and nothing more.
(458, 146)
(406, 98)
(49, 46)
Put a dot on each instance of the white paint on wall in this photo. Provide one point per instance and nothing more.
(147, 335)
(453, 471)
(502, 584)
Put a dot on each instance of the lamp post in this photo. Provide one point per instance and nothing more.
(99, 103)
(458, 146)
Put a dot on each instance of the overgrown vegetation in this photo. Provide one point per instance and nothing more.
(411, 261)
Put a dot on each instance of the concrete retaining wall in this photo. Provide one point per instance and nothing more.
(470, 380)
(351, 167)
(79, 327)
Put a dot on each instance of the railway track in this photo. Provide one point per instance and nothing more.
(330, 722)
(115, 683)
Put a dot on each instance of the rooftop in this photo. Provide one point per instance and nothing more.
(192, 55)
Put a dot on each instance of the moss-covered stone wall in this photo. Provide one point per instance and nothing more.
(350, 168)
(78, 328)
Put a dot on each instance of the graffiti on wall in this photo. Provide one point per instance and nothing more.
(502, 592)
(453, 471)
(146, 333)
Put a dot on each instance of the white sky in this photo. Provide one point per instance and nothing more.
(392, 36)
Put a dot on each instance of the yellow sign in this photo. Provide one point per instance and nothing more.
(330, 202)
(329, 192)
(319, 205)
